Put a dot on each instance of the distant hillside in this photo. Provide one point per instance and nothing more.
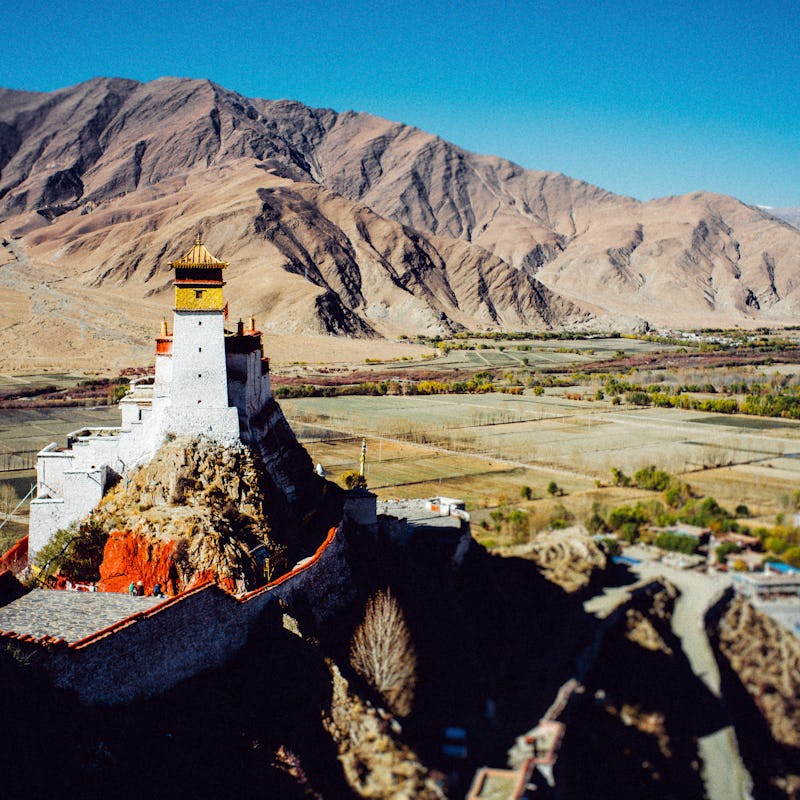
(340, 223)
(790, 215)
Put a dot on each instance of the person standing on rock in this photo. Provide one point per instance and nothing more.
(132, 589)
(139, 589)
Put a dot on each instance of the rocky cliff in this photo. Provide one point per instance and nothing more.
(570, 558)
(196, 511)
(767, 659)
(345, 223)
(200, 510)
(760, 664)
(641, 711)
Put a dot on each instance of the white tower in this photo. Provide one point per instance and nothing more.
(199, 400)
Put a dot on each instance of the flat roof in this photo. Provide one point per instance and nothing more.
(416, 514)
(768, 579)
(69, 615)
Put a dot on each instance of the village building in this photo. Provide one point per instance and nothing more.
(208, 381)
(776, 582)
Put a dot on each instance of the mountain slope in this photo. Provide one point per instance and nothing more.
(343, 223)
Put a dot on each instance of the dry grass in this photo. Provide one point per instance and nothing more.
(494, 444)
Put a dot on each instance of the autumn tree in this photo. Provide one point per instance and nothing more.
(382, 652)
(353, 479)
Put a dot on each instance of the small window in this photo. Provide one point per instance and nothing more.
(199, 322)
(199, 349)
(199, 375)
(198, 293)
(199, 401)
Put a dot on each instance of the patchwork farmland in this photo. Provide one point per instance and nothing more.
(479, 445)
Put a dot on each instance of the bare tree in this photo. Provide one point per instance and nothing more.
(382, 652)
(8, 498)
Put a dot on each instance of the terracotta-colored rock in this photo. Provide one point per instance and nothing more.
(204, 575)
(130, 557)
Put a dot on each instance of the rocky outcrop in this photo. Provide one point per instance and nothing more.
(641, 712)
(302, 505)
(568, 557)
(375, 763)
(766, 657)
(130, 557)
(196, 511)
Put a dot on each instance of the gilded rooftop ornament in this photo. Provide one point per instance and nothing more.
(198, 257)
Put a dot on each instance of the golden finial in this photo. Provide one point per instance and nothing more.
(198, 239)
(163, 327)
(252, 323)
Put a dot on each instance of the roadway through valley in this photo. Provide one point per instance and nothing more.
(724, 774)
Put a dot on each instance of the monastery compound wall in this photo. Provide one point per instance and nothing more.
(202, 628)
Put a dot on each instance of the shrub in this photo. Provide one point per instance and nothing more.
(652, 478)
(619, 478)
(561, 516)
(792, 556)
(75, 552)
(676, 542)
(353, 479)
(611, 547)
(637, 398)
(677, 494)
(725, 549)
(595, 522)
(629, 532)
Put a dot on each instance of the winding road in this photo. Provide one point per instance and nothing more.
(724, 774)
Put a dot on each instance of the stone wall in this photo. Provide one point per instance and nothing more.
(152, 651)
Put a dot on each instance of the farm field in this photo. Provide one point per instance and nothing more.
(486, 447)
(59, 379)
(24, 432)
(737, 459)
(403, 469)
(32, 429)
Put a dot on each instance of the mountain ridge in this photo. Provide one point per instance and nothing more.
(343, 222)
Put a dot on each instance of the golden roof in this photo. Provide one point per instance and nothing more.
(198, 257)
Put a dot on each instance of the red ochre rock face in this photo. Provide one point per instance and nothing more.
(205, 575)
(131, 557)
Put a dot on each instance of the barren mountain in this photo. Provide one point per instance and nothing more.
(339, 223)
(790, 215)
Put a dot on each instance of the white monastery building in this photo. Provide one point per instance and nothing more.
(208, 381)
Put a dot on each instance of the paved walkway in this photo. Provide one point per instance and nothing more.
(69, 615)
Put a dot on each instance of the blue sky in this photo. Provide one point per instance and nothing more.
(645, 99)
